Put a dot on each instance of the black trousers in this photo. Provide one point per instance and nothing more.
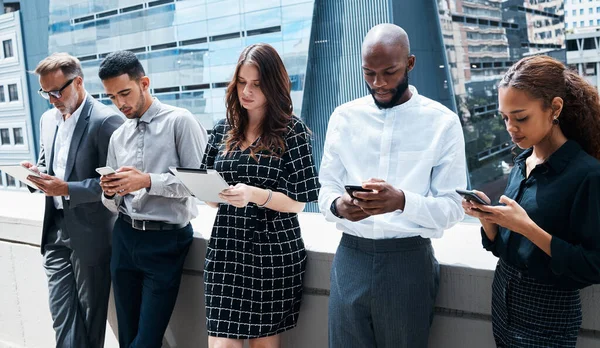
(146, 269)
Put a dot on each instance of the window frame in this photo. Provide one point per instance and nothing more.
(12, 147)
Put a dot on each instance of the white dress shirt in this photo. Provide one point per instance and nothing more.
(62, 144)
(417, 147)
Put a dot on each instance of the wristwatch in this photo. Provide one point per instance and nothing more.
(334, 210)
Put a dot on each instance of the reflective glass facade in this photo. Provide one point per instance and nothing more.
(188, 48)
(483, 38)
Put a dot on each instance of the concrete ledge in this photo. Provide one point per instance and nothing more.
(463, 315)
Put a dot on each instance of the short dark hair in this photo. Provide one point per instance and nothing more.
(119, 63)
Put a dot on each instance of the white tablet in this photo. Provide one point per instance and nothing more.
(20, 173)
(203, 184)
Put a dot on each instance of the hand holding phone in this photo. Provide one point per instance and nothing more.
(105, 171)
(471, 196)
(355, 188)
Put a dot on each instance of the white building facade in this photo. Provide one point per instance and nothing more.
(15, 128)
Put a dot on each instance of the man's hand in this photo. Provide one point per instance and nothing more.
(383, 199)
(30, 166)
(348, 210)
(126, 180)
(50, 185)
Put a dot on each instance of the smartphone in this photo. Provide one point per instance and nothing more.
(471, 196)
(355, 188)
(105, 170)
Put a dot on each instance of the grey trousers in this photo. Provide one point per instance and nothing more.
(382, 293)
(78, 293)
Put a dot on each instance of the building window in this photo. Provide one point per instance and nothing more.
(574, 12)
(598, 22)
(4, 136)
(10, 181)
(598, 9)
(13, 93)
(580, 11)
(18, 136)
(2, 100)
(581, 24)
(574, 24)
(591, 23)
(8, 48)
(591, 10)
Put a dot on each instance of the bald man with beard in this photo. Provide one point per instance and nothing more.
(407, 151)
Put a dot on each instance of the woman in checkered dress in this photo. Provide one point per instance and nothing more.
(546, 232)
(256, 259)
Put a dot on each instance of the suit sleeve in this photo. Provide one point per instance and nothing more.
(41, 163)
(88, 190)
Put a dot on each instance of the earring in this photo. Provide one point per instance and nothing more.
(555, 121)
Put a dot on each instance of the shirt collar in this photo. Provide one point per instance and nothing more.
(557, 161)
(74, 115)
(151, 112)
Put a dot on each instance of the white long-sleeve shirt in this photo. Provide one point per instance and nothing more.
(417, 147)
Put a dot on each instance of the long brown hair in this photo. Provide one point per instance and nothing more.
(276, 86)
(545, 78)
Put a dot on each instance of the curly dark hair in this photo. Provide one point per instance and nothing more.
(276, 86)
(119, 63)
(545, 78)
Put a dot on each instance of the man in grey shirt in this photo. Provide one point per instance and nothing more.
(152, 235)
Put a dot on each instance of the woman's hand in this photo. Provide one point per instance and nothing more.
(510, 216)
(474, 209)
(239, 195)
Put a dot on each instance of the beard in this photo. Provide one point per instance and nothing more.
(137, 109)
(398, 92)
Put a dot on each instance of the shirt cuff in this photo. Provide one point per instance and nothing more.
(560, 255)
(156, 185)
(488, 244)
(411, 204)
(328, 214)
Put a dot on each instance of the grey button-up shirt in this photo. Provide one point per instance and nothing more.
(165, 136)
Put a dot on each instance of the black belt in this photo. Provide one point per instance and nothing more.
(151, 225)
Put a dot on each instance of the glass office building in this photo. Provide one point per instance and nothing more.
(483, 38)
(189, 48)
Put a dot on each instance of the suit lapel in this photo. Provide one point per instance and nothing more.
(80, 128)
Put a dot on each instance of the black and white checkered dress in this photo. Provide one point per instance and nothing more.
(528, 314)
(255, 260)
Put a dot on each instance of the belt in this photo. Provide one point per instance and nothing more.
(149, 225)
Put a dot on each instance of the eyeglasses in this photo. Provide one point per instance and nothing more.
(56, 94)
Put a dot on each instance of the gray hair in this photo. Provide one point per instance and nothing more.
(69, 65)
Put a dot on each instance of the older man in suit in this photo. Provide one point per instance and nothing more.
(74, 138)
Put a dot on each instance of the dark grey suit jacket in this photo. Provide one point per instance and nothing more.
(87, 222)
